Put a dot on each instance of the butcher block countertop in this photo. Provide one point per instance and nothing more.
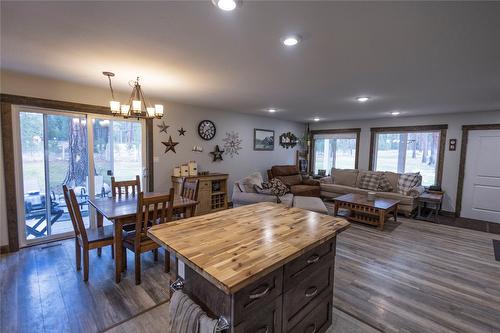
(235, 247)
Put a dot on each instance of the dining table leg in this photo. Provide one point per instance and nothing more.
(118, 250)
(99, 225)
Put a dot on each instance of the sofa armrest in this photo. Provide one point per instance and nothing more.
(416, 191)
(326, 180)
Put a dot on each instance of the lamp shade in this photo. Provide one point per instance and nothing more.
(151, 111)
(124, 109)
(114, 106)
(158, 110)
(136, 106)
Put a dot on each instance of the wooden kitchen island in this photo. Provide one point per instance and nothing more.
(263, 267)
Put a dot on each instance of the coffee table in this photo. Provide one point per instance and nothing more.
(362, 210)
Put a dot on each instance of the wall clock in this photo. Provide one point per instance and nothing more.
(206, 130)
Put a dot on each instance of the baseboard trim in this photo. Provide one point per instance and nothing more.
(449, 218)
(4, 249)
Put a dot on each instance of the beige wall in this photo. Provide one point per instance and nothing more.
(451, 158)
(177, 115)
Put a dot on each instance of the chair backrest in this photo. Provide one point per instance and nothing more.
(156, 209)
(119, 188)
(75, 214)
(190, 188)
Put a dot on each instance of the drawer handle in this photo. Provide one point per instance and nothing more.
(261, 294)
(311, 291)
(313, 259)
(313, 328)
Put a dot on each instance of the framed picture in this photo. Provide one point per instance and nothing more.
(263, 139)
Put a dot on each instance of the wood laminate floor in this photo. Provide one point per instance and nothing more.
(419, 277)
(41, 291)
(412, 277)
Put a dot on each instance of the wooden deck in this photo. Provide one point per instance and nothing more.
(412, 277)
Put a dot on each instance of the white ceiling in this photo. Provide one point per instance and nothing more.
(415, 57)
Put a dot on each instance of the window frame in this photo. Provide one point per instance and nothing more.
(442, 129)
(356, 131)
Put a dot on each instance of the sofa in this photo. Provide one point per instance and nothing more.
(344, 181)
(244, 192)
(297, 183)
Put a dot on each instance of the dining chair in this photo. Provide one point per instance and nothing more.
(151, 210)
(86, 239)
(190, 189)
(125, 187)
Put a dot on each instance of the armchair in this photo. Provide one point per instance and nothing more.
(298, 184)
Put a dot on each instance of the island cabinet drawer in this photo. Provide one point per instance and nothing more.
(317, 320)
(255, 296)
(264, 320)
(305, 265)
(307, 291)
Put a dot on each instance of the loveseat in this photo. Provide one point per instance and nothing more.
(344, 181)
(244, 192)
(297, 183)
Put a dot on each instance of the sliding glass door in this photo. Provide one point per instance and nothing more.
(57, 148)
(118, 152)
(54, 152)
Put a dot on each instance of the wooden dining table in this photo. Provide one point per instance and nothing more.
(122, 211)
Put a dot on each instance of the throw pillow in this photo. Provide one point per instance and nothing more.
(384, 185)
(407, 181)
(264, 189)
(345, 177)
(278, 188)
(370, 181)
(247, 184)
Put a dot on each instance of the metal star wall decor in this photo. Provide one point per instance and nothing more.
(181, 131)
(170, 145)
(232, 143)
(217, 154)
(163, 127)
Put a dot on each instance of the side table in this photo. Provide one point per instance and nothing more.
(429, 205)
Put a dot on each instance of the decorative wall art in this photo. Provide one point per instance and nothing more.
(206, 130)
(163, 127)
(263, 139)
(170, 145)
(197, 149)
(182, 131)
(217, 154)
(288, 140)
(232, 143)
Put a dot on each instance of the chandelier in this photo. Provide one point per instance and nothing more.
(137, 105)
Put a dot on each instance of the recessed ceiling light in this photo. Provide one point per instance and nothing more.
(291, 40)
(395, 113)
(316, 119)
(272, 110)
(362, 99)
(226, 5)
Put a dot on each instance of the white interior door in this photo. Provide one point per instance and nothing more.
(481, 191)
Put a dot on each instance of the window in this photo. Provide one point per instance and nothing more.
(409, 151)
(334, 149)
